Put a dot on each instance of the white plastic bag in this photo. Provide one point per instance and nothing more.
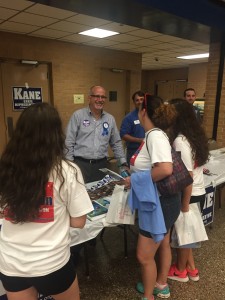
(189, 226)
(119, 211)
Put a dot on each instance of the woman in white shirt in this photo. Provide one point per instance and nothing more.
(190, 139)
(41, 196)
(154, 154)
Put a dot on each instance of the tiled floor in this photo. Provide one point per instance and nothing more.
(113, 277)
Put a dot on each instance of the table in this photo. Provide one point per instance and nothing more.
(216, 166)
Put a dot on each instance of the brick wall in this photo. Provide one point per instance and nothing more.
(211, 87)
(150, 77)
(197, 74)
(75, 68)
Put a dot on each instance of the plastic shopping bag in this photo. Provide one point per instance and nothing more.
(189, 226)
(119, 211)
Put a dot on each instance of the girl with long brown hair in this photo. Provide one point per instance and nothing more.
(41, 196)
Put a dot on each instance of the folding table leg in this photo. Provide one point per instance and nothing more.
(87, 273)
(102, 233)
(125, 240)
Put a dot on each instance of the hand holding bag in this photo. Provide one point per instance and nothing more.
(178, 180)
(119, 211)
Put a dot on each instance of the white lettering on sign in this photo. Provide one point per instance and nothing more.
(20, 94)
(209, 215)
(209, 200)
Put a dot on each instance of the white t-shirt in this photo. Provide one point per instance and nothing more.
(159, 150)
(41, 247)
(181, 144)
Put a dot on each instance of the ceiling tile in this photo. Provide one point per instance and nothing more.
(69, 27)
(88, 20)
(32, 19)
(123, 38)
(6, 13)
(117, 27)
(47, 32)
(203, 47)
(165, 38)
(50, 11)
(122, 46)
(16, 4)
(17, 27)
(26, 17)
(145, 42)
(144, 33)
(184, 43)
(160, 46)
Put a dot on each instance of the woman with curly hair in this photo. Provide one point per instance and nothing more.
(41, 196)
(154, 159)
(189, 138)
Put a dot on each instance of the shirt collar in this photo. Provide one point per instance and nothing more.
(90, 113)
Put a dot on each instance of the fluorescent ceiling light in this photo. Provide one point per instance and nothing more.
(194, 56)
(99, 33)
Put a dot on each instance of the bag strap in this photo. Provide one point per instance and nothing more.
(154, 129)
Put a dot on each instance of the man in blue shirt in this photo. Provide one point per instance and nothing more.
(131, 130)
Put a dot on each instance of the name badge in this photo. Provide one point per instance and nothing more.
(136, 122)
(86, 123)
(105, 126)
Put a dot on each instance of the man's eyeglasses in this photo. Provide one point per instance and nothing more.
(99, 96)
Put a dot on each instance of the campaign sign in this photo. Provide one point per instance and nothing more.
(208, 209)
(25, 96)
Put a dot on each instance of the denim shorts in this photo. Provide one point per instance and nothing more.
(51, 284)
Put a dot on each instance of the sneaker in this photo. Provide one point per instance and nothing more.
(193, 274)
(175, 274)
(140, 287)
(161, 293)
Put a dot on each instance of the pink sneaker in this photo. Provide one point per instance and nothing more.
(193, 274)
(175, 274)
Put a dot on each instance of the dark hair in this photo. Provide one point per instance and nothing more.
(161, 114)
(139, 93)
(187, 124)
(189, 89)
(35, 149)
